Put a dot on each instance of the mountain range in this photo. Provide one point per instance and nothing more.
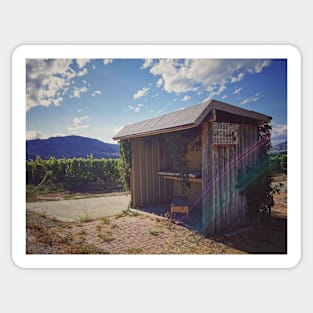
(281, 147)
(82, 147)
(70, 147)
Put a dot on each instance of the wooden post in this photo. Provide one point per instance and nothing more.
(205, 176)
(132, 177)
(207, 213)
(216, 190)
(227, 187)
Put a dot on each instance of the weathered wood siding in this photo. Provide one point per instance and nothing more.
(148, 158)
(193, 193)
(223, 206)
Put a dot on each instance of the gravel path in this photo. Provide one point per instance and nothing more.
(74, 210)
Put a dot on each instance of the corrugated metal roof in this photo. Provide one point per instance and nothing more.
(186, 118)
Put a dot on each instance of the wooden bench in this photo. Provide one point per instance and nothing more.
(179, 204)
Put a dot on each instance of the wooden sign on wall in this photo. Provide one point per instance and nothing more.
(225, 133)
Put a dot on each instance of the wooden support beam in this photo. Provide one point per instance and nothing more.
(207, 209)
(190, 179)
(212, 116)
(132, 176)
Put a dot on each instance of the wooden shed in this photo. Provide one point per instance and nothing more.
(221, 140)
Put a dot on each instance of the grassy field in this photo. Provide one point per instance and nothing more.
(133, 233)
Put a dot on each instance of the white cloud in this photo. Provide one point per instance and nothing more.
(159, 82)
(224, 97)
(155, 95)
(82, 62)
(186, 98)
(238, 78)
(78, 123)
(237, 91)
(78, 91)
(147, 63)
(215, 90)
(93, 66)
(141, 93)
(136, 109)
(218, 90)
(75, 94)
(57, 135)
(254, 98)
(83, 72)
(33, 134)
(107, 61)
(47, 80)
(57, 101)
(202, 74)
(260, 65)
(279, 131)
(97, 92)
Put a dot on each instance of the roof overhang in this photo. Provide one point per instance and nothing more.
(208, 107)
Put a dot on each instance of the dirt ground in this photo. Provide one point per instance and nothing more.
(34, 194)
(133, 233)
(84, 208)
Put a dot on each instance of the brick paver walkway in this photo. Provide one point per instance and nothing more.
(126, 233)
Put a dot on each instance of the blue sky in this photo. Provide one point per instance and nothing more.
(96, 97)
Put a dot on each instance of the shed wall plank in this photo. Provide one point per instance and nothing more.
(207, 226)
(217, 191)
(159, 168)
(222, 184)
(227, 188)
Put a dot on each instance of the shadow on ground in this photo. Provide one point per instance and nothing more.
(194, 221)
(261, 239)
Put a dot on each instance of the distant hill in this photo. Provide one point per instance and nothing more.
(281, 147)
(70, 147)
